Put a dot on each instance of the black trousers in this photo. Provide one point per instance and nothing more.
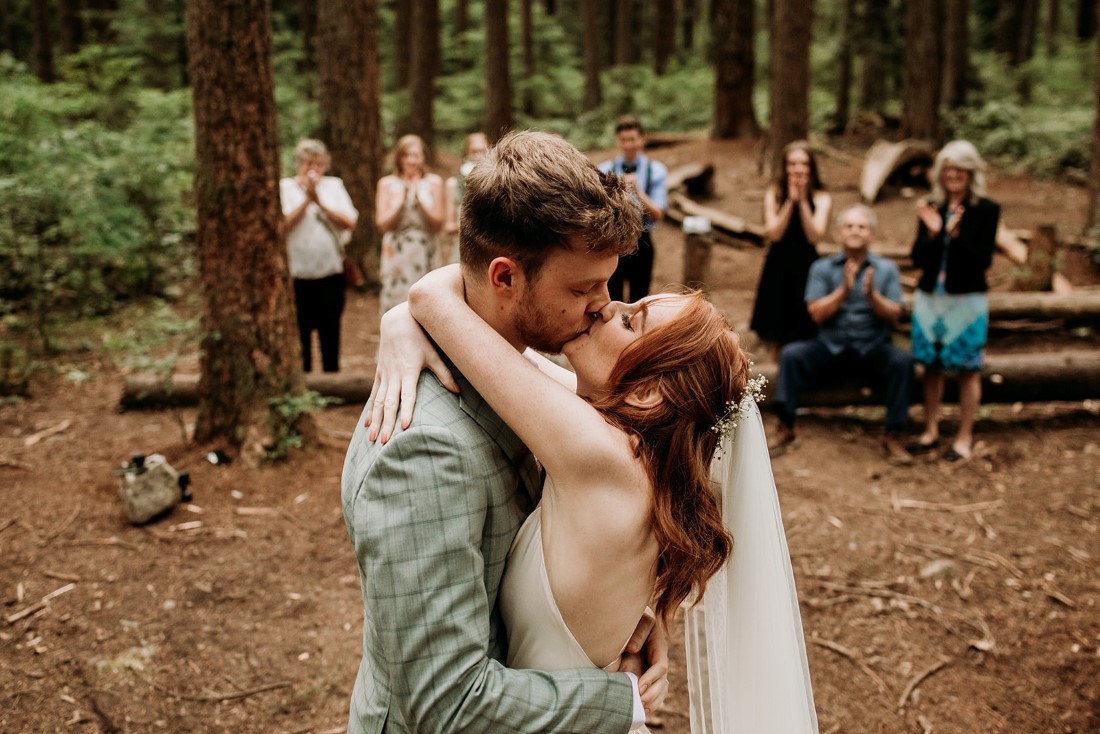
(635, 269)
(320, 304)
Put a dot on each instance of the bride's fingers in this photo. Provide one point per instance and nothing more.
(641, 632)
(372, 403)
(390, 407)
(654, 696)
(408, 399)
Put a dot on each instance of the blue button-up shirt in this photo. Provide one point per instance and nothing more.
(651, 179)
(855, 325)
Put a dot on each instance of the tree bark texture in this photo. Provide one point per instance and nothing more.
(664, 34)
(735, 69)
(70, 27)
(250, 351)
(624, 32)
(844, 67)
(42, 42)
(350, 97)
(956, 52)
(791, 35)
(593, 93)
(921, 77)
(423, 69)
(498, 77)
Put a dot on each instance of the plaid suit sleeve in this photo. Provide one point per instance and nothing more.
(418, 521)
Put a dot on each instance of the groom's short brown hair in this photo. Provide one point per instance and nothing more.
(533, 192)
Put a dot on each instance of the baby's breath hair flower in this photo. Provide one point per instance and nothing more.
(731, 418)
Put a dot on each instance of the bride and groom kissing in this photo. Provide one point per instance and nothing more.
(505, 593)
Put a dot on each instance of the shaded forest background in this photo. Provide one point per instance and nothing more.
(97, 125)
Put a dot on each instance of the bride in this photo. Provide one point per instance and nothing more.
(629, 516)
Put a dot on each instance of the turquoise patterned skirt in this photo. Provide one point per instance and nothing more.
(949, 330)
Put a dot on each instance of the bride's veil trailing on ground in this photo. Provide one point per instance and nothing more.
(746, 654)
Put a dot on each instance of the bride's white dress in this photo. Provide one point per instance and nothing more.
(746, 656)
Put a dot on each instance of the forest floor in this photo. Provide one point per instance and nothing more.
(935, 597)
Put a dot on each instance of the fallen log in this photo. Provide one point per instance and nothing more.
(1007, 378)
(1077, 306)
(697, 179)
(884, 159)
(728, 224)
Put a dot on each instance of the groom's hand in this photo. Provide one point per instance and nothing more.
(648, 646)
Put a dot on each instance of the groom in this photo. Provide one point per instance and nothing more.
(432, 512)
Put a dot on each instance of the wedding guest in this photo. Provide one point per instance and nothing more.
(854, 297)
(409, 212)
(646, 177)
(477, 145)
(319, 220)
(796, 215)
(956, 237)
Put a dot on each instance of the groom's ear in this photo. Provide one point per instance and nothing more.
(645, 398)
(505, 275)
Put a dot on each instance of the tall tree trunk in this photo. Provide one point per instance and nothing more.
(462, 25)
(423, 68)
(99, 14)
(688, 20)
(1086, 19)
(307, 10)
(593, 94)
(921, 77)
(70, 27)
(956, 53)
(527, 54)
(402, 41)
(250, 352)
(498, 78)
(873, 50)
(1054, 20)
(350, 96)
(1094, 169)
(735, 68)
(664, 34)
(791, 34)
(624, 32)
(42, 41)
(844, 67)
(551, 8)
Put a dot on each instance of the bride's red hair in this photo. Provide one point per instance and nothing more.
(696, 365)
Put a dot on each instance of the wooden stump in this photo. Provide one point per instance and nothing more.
(697, 252)
(1041, 260)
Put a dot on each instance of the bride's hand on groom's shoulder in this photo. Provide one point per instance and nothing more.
(403, 353)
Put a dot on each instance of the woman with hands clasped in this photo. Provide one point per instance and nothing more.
(796, 217)
(956, 238)
(409, 212)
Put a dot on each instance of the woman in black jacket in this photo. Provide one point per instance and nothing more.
(956, 237)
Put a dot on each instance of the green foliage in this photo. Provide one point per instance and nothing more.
(288, 410)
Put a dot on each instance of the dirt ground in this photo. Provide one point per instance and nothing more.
(935, 597)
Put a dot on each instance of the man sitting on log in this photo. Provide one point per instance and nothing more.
(854, 297)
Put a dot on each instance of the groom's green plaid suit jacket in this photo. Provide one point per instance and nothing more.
(432, 515)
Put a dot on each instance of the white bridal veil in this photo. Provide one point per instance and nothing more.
(746, 654)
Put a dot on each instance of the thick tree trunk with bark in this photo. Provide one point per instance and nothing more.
(593, 94)
(921, 77)
(498, 77)
(423, 68)
(70, 26)
(624, 32)
(250, 351)
(735, 69)
(42, 42)
(956, 52)
(350, 98)
(791, 34)
(664, 35)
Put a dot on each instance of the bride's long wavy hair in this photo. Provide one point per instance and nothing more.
(696, 365)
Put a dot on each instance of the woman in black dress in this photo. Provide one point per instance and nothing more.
(796, 216)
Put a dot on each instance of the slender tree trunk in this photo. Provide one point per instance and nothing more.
(307, 10)
(462, 25)
(423, 66)
(42, 41)
(1086, 19)
(735, 68)
(250, 352)
(688, 20)
(956, 55)
(402, 40)
(792, 32)
(664, 35)
(551, 8)
(1054, 20)
(624, 32)
(498, 78)
(100, 13)
(873, 49)
(527, 53)
(593, 94)
(921, 77)
(70, 27)
(844, 68)
(350, 102)
(8, 41)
